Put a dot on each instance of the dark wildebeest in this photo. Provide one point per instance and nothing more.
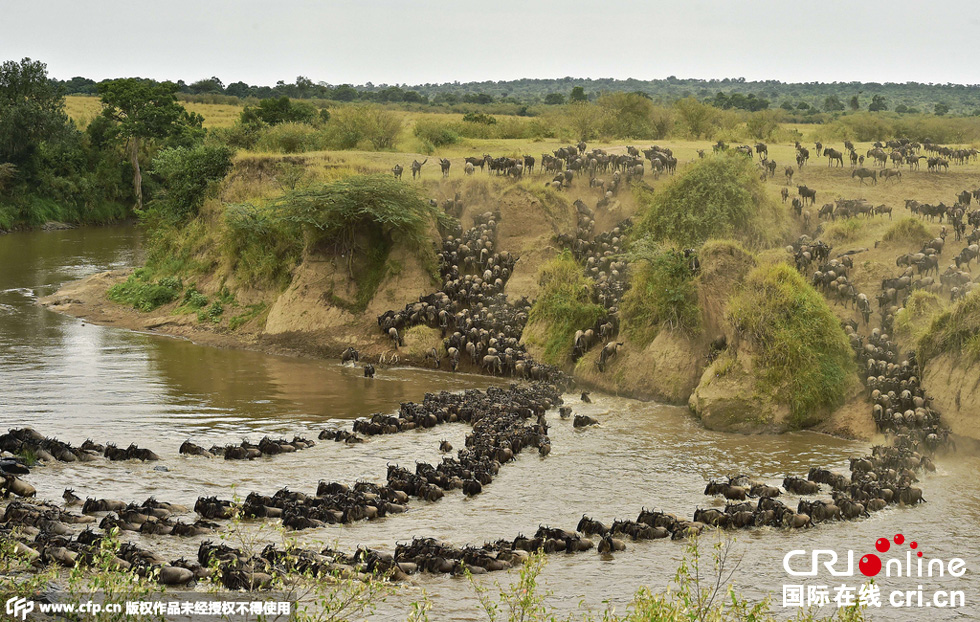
(863, 173)
(417, 167)
(807, 193)
(833, 156)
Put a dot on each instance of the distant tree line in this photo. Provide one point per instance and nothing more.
(806, 98)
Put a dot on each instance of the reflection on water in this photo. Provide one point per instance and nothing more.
(75, 381)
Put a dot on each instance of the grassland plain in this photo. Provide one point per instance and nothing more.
(258, 177)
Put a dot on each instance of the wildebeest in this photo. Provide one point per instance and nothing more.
(833, 156)
(863, 173)
(807, 193)
(417, 168)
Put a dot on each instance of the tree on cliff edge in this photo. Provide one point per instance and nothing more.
(142, 110)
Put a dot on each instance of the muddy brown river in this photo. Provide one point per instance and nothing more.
(74, 380)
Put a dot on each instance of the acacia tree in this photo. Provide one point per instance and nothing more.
(143, 110)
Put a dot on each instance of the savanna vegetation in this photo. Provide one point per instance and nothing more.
(954, 331)
(235, 184)
(805, 356)
(563, 306)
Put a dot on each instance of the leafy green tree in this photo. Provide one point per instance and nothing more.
(628, 115)
(832, 103)
(696, 116)
(941, 108)
(854, 104)
(344, 93)
(877, 104)
(238, 89)
(554, 99)
(762, 124)
(585, 120)
(278, 110)
(209, 85)
(901, 109)
(31, 113)
(144, 110)
(577, 95)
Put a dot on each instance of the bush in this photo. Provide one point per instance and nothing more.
(276, 110)
(195, 299)
(954, 331)
(291, 138)
(187, 174)
(662, 293)
(262, 246)
(805, 357)
(212, 313)
(564, 305)
(436, 133)
(908, 229)
(844, 230)
(338, 213)
(352, 125)
(143, 294)
(720, 196)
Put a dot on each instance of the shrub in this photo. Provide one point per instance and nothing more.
(844, 230)
(187, 174)
(143, 294)
(720, 196)
(662, 293)
(291, 138)
(564, 305)
(351, 125)
(276, 110)
(805, 357)
(954, 331)
(338, 213)
(194, 299)
(436, 133)
(212, 313)
(908, 229)
(262, 246)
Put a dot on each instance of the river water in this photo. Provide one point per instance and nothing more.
(74, 380)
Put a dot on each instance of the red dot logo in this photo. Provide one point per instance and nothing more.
(919, 553)
(914, 545)
(882, 544)
(870, 565)
(899, 538)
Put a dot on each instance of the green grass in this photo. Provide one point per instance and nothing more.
(954, 331)
(143, 294)
(844, 230)
(913, 319)
(720, 196)
(563, 306)
(250, 312)
(663, 293)
(805, 357)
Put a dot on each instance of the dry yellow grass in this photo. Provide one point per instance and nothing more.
(83, 108)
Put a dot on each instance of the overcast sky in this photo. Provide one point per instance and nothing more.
(420, 41)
